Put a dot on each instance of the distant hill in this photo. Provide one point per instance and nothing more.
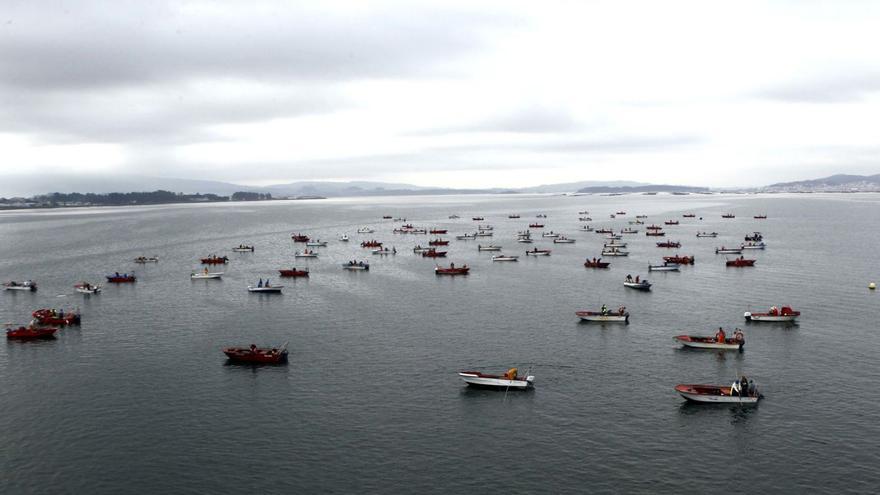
(575, 186)
(643, 188)
(834, 183)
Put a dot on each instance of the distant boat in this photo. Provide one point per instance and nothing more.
(665, 267)
(27, 285)
(728, 215)
(205, 275)
(266, 288)
(146, 259)
(293, 272)
(30, 333)
(452, 270)
(509, 380)
(243, 249)
(255, 355)
(620, 316)
(597, 263)
(786, 314)
(538, 252)
(740, 262)
(707, 234)
(726, 250)
(709, 342)
(356, 266)
(503, 257)
(563, 240)
(715, 394)
(640, 285)
(87, 288)
(488, 248)
(365, 230)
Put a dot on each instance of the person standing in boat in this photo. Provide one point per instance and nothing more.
(744, 387)
(260, 283)
(604, 309)
(629, 278)
(736, 388)
(720, 336)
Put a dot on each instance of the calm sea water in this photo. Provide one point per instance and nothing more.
(139, 399)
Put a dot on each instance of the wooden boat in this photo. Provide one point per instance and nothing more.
(215, 260)
(293, 272)
(318, 243)
(655, 233)
(204, 275)
(669, 244)
(438, 231)
(709, 342)
(146, 259)
(121, 279)
(681, 260)
(538, 252)
(671, 222)
(299, 238)
(740, 262)
(305, 254)
(243, 249)
(433, 253)
(265, 289)
(725, 250)
(775, 314)
(52, 317)
(466, 237)
(715, 394)
(640, 285)
(27, 286)
(87, 288)
(707, 234)
(365, 230)
(30, 333)
(753, 245)
(728, 215)
(505, 257)
(371, 244)
(256, 355)
(620, 316)
(536, 225)
(452, 270)
(356, 266)
(665, 267)
(614, 252)
(488, 248)
(754, 237)
(563, 240)
(509, 380)
(597, 263)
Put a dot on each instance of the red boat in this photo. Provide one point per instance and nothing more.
(255, 355)
(741, 262)
(681, 260)
(536, 225)
(30, 333)
(597, 263)
(671, 222)
(669, 244)
(215, 260)
(293, 272)
(433, 253)
(371, 244)
(438, 242)
(121, 279)
(452, 270)
(300, 238)
(655, 233)
(438, 231)
(52, 317)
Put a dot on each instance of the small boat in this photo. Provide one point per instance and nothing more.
(365, 230)
(728, 215)
(754, 237)
(716, 394)
(774, 315)
(614, 244)
(653, 227)
(621, 315)
(305, 254)
(31, 332)
(433, 253)
(540, 215)
(452, 270)
(420, 249)
(52, 317)
(614, 252)
(386, 217)
(505, 257)
(384, 251)
(612, 216)
(707, 234)
(671, 222)
(438, 242)
(525, 240)
(740, 262)
(466, 237)
(243, 249)
(477, 219)
(438, 231)
(27, 285)
(597, 263)
(265, 288)
(454, 217)
(536, 225)
(146, 259)
(256, 355)
(760, 217)
(509, 380)
(484, 233)
(488, 248)
(585, 219)
(356, 266)
(669, 244)
(399, 219)
(299, 238)
(538, 252)
(640, 285)
(485, 227)
(689, 215)
(344, 238)
(371, 244)
(665, 267)
(697, 342)
(293, 272)
(753, 245)
(585, 212)
(629, 231)
(215, 260)
(317, 243)
(614, 237)
(725, 250)
(512, 216)
(121, 279)
(205, 275)
(563, 240)
(636, 222)
(586, 228)
(621, 213)
(641, 216)
(604, 231)
(655, 233)
(87, 288)
(681, 260)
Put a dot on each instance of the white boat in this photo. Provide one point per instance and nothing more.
(640, 285)
(614, 252)
(724, 250)
(305, 254)
(614, 244)
(563, 240)
(488, 248)
(525, 240)
(509, 380)
(538, 252)
(466, 237)
(318, 243)
(485, 227)
(484, 234)
(384, 251)
(356, 266)
(550, 234)
(753, 245)
(27, 285)
(344, 238)
(636, 222)
(715, 394)
(629, 231)
(707, 234)
(774, 315)
(87, 288)
(146, 259)
(365, 230)
(614, 237)
(420, 249)
(665, 267)
(243, 249)
(273, 289)
(709, 343)
(586, 228)
(619, 316)
(504, 257)
(205, 275)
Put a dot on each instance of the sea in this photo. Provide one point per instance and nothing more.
(141, 399)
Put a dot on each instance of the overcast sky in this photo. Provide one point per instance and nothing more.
(465, 94)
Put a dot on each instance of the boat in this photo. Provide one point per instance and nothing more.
(725, 250)
(433, 253)
(146, 259)
(597, 263)
(621, 315)
(612, 216)
(215, 260)
(386, 217)
(512, 216)
(205, 275)
(371, 244)
(665, 267)
(740, 262)
(509, 380)
(488, 248)
(399, 219)
(87, 288)
(292, 272)
(438, 231)
(525, 240)
(344, 238)
(265, 288)
(707, 234)
(671, 222)
(604, 230)
(53, 317)
(438, 242)
(753, 245)
(485, 227)
(773, 315)
(477, 219)
(538, 252)
(317, 243)
(760, 217)
(716, 394)
(698, 342)
(614, 252)
(420, 249)
(669, 244)
(466, 237)
(256, 355)
(585, 219)
(243, 249)
(365, 230)
(688, 215)
(384, 251)
(754, 237)
(536, 225)
(653, 227)
(641, 216)
(484, 233)
(614, 237)
(305, 254)
(614, 244)
(505, 257)
(629, 231)
(124, 278)
(540, 215)
(637, 284)
(585, 212)
(728, 215)
(356, 266)
(31, 332)
(681, 260)
(27, 285)
(563, 240)
(655, 233)
(299, 238)
(452, 270)
(586, 228)
(454, 217)
(636, 222)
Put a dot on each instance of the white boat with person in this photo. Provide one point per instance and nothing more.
(317, 243)
(356, 265)
(305, 254)
(344, 238)
(550, 234)
(775, 314)
(490, 247)
(385, 251)
(509, 380)
(538, 252)
(563, 240)
(26, 286)
(87, 288)
(719, 341)
(707, 234)
(614, 252)
(743, 391)
(265, 287)
(727, 250)
(753, 245)
(205, 275)
(636, 283)
(365, 230)
(604, 315)
(241, 248)
(586, 228)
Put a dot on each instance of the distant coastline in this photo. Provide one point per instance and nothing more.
(159, 197)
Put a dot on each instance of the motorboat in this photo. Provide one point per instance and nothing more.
(505, 257)
(265, 288)
(452, 270)
(614, 237)
(536, 225)
(538, 252)
(305, 254)
(614, 244)
(716, 394)
(586, 228)
(604, 230)
(53, 317)
(641, 216)
(584, 212)
(420, 249)
(299, 238)
(31, 332)
(477, 219)
(563, 240)
(384, 251)
(87, 288)
(512, 216)
(614, 252)
(386, 217)
(438, 242)
(636, 222)
(485, 227)
(597, 263)
(466, 237)
(205, 275)
(484, 233)
(146, 259)
(433, 253)
(753, 245)
(760, 217)
(454, 217)
(525, 240)
(243, 249)
(317, 243)
(619, 316)
(371, 244)
(356, 266)
(256, 355)
(292, 272)
(688, 215)
(638, 285)
(124, 278)
(697, 342)
(488, 248)
(740, 262)
(728, 215)
(784, 314)
(653, 227)
(215, 260)
(541, 215)
(669, 244)
(344, 238)
(438, 231)
(365, 230)
(27, 285)
(707, 234)
(726, 250)
(671, 222)
(665, 267)
(754, 237)
(509, 380)
(585, 219)
(655, 233)
(681, 260)
(621, 213)
(629, 231)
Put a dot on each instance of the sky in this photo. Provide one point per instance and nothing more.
(447, 93)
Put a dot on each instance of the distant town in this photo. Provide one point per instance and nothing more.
(72, 200)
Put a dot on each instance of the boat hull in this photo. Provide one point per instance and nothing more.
(476, 380)
(708, 343)
(712, 394)
(598, 316)
(770, 318)
(637, 286)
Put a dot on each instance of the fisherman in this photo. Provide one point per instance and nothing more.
(720, 336)
(604, 309)
(637, 278)
(739, 337)
(744, 385)
(621, 310)
(260, 283)
(253, 348)
(629, 278)
(736, 388)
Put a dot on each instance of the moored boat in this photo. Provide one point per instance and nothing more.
(753, 245)
(754, 237)
(317, 243)
(586, 228)
(490, 247)
(603, 315)
(681, 260)
(31, 332)
(728, 215)
(466, 237)
(27, 286)
(293, 272)
(256, 355)
(305, 254)
(452, 270)
(205, 275)
(433, 253)
(655, 233)
(707, 234)
(665, 267)
(477, 219)
(509, 380)
(629, 231)
(614, 252)
(365, 230)
(636, 283)
(344, 238)
(438, 242)
(563, 240)
(536, 225)
(384, 251)
(671, 222)
(299, 238)
(438, 231)
(59, 317)
(740, 262)
(688, 215)
(265, 288)
(669, 244)
(505, 257)
(760, 217)
(775, 314)
(371, 244)
(614, 244)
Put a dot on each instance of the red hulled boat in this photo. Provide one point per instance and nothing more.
(681, 260)
(438, 231)
(300, 238)
(438, 242)
(452, 270)
(669, 244)
(215, 260)
(30, 333)
(740, 262)
(293, 272)
(52, 317)
(671, 222)
(256, 355)
(433, 253)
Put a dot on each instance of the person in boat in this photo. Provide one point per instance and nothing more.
(621, 310)
(720, 336)
(637, 278)
(746, 387)
(117, 274)
(60, 313)
(260, 283)
(267, 282)
(511, 374)
(739, 336)
(604, 309)
(629, 278)
(736, 388)
(451, 266)
(253, 348)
